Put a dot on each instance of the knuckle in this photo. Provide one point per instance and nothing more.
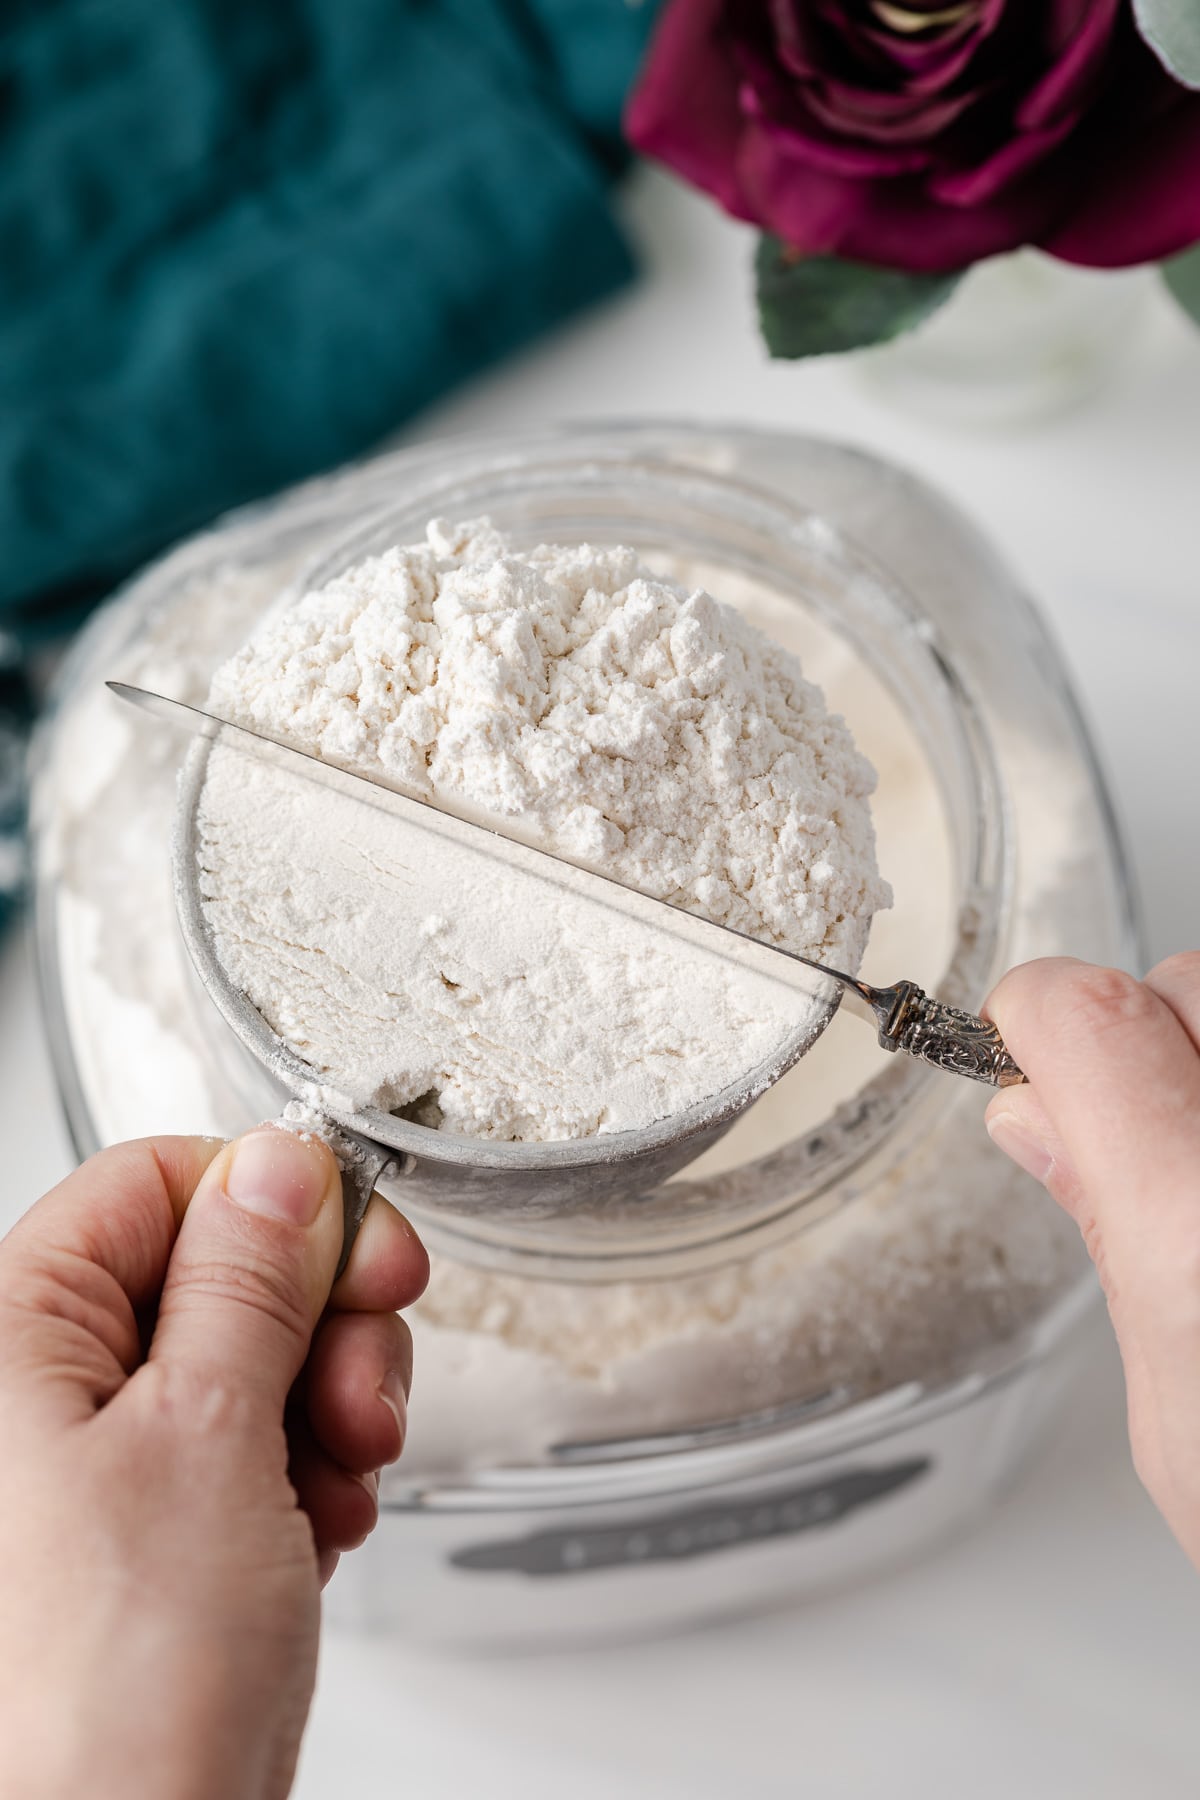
(90, 1320)
(187, 1400)
(1100, 1002)
(1093, 1240)
(263, 1288)
(1179, 972)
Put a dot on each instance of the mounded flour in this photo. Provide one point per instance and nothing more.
(611, 714)
(943, 1251)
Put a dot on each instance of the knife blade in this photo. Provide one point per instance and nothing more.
(457, 825)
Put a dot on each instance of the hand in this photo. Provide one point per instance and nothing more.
(1111, 1124)
(191, 1423)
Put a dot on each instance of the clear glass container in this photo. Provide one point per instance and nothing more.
(1022, 337)
(851, 1312)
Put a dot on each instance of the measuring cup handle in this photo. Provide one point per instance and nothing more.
(361, 1160)
(358, 1184)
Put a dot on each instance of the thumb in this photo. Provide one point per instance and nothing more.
(253, 1265)
(1111, 1119)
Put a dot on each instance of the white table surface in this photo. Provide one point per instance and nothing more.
(1054, 1652)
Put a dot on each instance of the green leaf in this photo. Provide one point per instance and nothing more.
(1172, 30)
(1182, 276)
(814, 305)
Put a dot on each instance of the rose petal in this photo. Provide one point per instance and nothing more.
(1079, 72)
(789, 113)
(974, 187)
(890, 222)
(883, 118)
(816, 40)
(685, 107)
(1138, 196)
(887, 72)
(1062, 22)
(839, 158)
(1050, 122)
(928, 68)
(798, 39)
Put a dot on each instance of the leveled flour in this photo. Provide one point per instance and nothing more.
(945, 1251)
(609, 713)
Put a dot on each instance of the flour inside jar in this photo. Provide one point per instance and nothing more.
(615, 716)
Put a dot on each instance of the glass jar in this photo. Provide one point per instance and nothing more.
(849, 1314)
(1022, 337)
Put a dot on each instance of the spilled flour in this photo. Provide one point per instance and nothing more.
(613, 716)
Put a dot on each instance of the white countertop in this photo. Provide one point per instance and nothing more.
(1053, 1652)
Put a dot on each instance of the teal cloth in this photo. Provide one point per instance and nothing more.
(241, 240)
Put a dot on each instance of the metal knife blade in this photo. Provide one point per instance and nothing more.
(771, 961)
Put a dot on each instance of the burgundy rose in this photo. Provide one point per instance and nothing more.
(925, 134)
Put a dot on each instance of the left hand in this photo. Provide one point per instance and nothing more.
(192, 1420)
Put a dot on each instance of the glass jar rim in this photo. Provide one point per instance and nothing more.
(630, 498)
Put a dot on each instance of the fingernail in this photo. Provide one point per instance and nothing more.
(370, 1481)
(279, 1176)
(392, 1392)
(1021, 1145)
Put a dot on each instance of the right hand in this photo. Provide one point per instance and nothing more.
(1110, 1123)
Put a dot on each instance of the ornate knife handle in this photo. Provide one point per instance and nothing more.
(943, 1035)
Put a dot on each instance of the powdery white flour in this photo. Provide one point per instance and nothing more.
(938, 1255)
(611, 714)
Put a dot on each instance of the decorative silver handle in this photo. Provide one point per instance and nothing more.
(942, 1035)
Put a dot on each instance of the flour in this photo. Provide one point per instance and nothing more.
(417, 976)
(612, 715)
(939, 1252)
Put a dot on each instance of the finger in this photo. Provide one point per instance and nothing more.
(1019, 1125)
(342, 1506)
(82, 1263)
(1117, 1075)
(252, 1266)
(356, 1385)
(1177, 981)
(388, 1266)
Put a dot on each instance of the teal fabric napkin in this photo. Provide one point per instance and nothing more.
(241, 240)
